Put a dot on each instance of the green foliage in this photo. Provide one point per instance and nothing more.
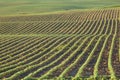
(25, 7)
(30, 53)
(60, 47)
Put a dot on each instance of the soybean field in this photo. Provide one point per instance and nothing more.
(71, 45)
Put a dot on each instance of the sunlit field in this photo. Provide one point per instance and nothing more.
(73, 40)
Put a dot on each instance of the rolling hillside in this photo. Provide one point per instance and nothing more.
(24, 7)
(64, 46)
(59, 39)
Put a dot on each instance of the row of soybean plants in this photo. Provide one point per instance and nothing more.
(19, 55)
(37, 58)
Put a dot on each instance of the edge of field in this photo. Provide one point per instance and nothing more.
(58, 12)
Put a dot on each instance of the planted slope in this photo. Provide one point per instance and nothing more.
(77, 44)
